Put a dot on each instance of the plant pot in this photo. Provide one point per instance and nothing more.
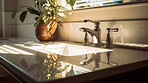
(46, 33)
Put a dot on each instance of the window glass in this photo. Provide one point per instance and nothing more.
(92, 3)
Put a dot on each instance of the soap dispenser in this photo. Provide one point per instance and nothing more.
(109, 42)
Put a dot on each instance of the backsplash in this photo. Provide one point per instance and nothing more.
(10, 25)
(134, 31)
(129, 31)
(0, 24)
(14, 28)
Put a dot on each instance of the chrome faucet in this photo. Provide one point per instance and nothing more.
(96, 33)
(95, 57)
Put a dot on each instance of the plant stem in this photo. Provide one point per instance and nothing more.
(39, 8)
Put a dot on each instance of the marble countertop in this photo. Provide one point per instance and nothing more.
(23, 59)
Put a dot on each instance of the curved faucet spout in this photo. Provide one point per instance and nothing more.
(96, 33)
(95, 22)
(88, 20)
(95, 36)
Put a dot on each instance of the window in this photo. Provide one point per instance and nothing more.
(92, 3)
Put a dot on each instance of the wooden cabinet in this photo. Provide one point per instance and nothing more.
(5, 77)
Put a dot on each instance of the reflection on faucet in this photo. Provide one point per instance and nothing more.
(108, 54)
(71, 72)
(85, 57)
(96, 33)
(95, 58)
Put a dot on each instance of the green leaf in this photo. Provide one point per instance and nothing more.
(67, 1)
(33, 11)
(59, 19)
(71, 3)
(13, 14)
(23, 16)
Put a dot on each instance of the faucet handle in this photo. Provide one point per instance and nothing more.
(109, 42)
(97, 23)
(86, 41)
(83, 29)
(112, 29)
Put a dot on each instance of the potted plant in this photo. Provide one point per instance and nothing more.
(49, 13)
